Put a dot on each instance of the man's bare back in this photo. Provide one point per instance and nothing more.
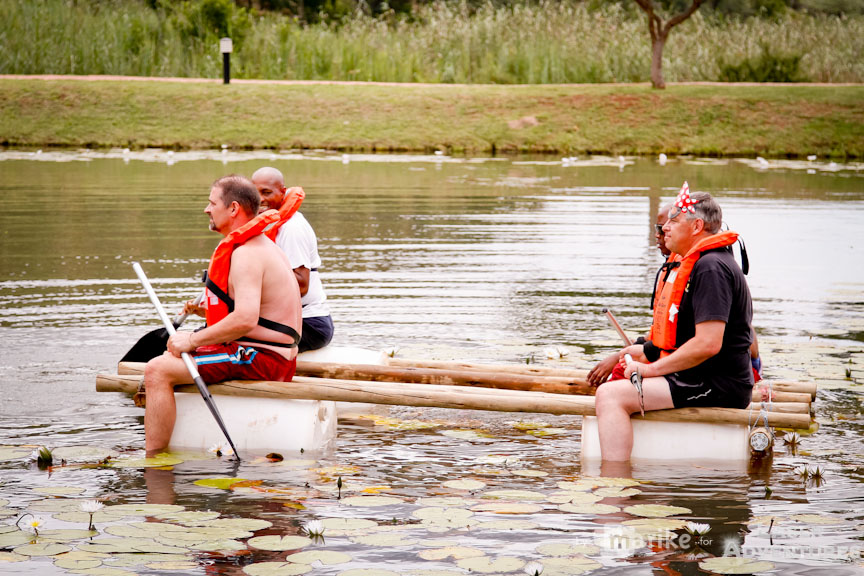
(260, 258)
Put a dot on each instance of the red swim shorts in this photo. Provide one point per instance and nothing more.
(233, 361)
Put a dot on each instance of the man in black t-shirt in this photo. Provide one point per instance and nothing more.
(698, 354)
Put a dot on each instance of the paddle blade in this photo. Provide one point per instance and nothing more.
(149, 346)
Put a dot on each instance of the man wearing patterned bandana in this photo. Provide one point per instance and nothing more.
(698, 350)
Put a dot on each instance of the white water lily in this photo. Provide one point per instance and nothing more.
(533, 569)
(221, 450)
(697, 528)
(392, 351)
(556, 352)
(314, 528)
(33, 525)
(91, 507)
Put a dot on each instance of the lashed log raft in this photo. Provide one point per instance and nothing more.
(424, 395)
(458, 377)
(777, 385)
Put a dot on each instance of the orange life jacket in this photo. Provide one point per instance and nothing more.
(290, 204)
(672, 285)
(220, 265)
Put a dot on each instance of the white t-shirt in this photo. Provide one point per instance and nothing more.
(297, 239)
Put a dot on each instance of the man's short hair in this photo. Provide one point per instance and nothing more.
(707, 210)
(239, 189)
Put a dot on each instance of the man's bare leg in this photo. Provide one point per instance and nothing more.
(160, 376)
(615, 402)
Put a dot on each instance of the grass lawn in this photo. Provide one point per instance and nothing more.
(716, 120)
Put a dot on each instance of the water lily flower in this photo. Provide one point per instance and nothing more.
(697, 528)
(314, 529)
(392, 351)
(792, 438)
(33, 525)
(221, 450)
(556, 352)
(91, 507)
(533, 569)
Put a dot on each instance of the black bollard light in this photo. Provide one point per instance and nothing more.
(226, 47)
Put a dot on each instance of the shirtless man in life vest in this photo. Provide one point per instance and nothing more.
(699, 351)
(252, 307)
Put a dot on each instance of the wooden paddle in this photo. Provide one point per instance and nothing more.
(187, 359)
(155, 342)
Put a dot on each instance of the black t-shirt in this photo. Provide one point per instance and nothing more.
(718, 291)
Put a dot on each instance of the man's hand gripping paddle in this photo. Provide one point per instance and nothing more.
(635, 377)
(187, 359)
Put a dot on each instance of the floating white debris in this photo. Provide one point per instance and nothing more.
(661, 159)
(811, 157)
(346, 159)
(761, 161)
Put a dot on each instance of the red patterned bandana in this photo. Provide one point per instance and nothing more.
(684, 202)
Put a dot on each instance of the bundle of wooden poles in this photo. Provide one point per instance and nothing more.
(502, 388)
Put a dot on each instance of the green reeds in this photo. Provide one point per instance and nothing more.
(446, 42)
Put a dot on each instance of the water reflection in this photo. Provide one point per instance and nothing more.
(469, 259)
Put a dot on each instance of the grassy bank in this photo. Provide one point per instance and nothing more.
(551, 41)
(731, 120)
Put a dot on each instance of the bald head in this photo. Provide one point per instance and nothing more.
(271, 186)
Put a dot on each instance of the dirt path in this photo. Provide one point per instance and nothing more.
(95, 78)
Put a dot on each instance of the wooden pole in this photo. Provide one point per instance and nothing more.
(424, 395)
(451, 377)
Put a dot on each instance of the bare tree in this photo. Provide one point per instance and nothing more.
(660, 33)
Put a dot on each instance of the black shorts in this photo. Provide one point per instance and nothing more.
(317, 333)
(702, 394)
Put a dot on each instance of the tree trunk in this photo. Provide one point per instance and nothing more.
(657, 45)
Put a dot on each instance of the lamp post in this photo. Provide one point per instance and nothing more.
(226, 47)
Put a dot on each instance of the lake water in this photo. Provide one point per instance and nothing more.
(470, 259)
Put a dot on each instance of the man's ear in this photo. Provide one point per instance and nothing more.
(699, 226)
(235, 208)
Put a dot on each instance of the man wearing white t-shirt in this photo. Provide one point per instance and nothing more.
(296, 238)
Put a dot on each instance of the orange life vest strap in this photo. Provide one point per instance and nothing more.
(290, 204)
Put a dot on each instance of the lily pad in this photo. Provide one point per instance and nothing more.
(221, 483)
(384, 539)
(368, 572)
(143, 509)
(508, 508)
(77, 560)
(372, 501)
(10, 557)
(326, 557)
(279, 543)
(129, 546)
(102, 571)
(129, 560)
(455, 517)
(485, 565)
(507, 524)
(155, 462)
(184, 566)
(83, 453)
(347, 526)
(143, 529)
(245, 524)
(64, 535)
(656, 510)
(588, 508)
(79, 517)
(530, 473)
(455, 552)
(571, 565)
(15, 538)
(567, 549)
(465, 484)
(42, 549)
(655, 526)
(475, 435)
(616, 492)
(59, 490)
(276, 569)
(445, 502)
(14, 452)
(215, 545)
(816, 519)
(515, 495)
(189, 516)
(573, 497)
(735, 565)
